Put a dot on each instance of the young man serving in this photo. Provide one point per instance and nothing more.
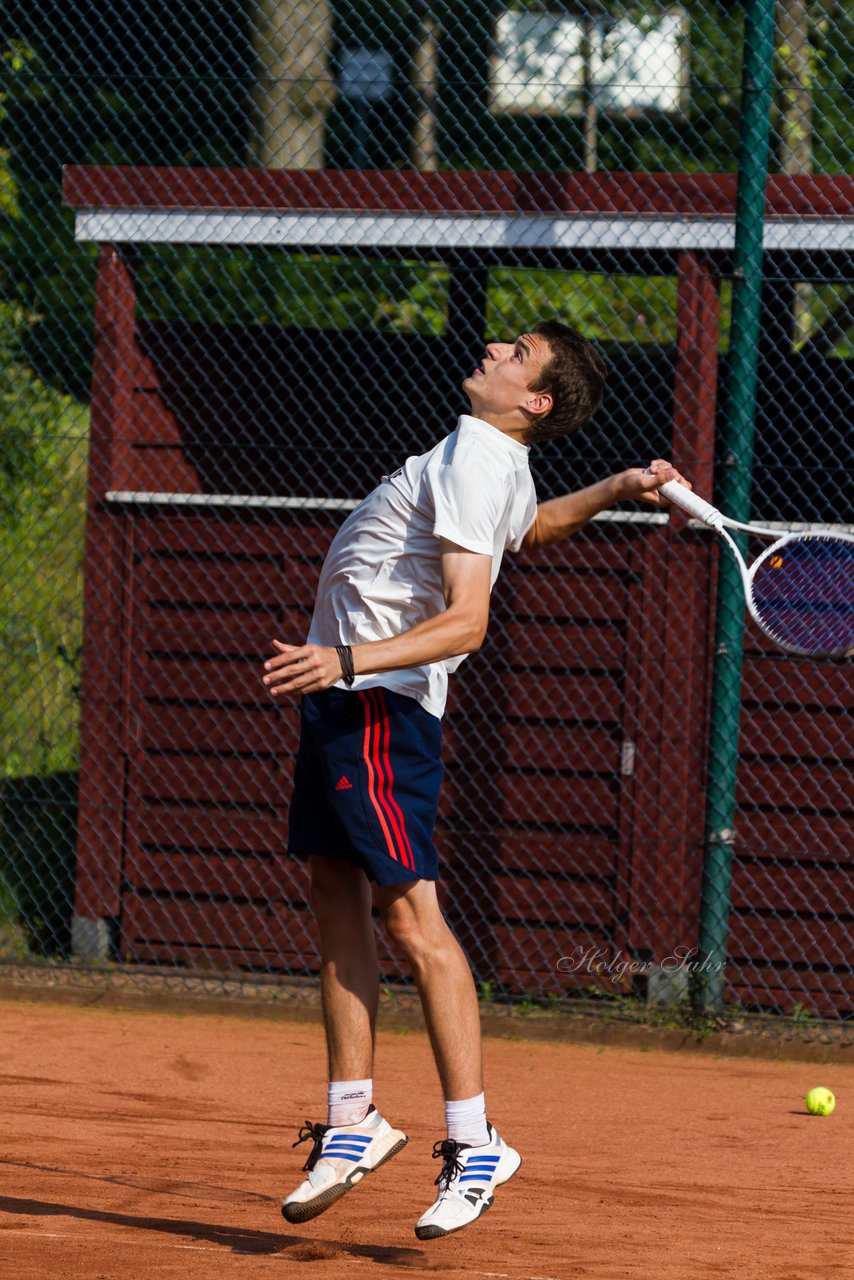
(403, 598)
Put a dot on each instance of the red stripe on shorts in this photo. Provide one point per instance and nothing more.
(396, 811)
(370, 762)
(381, 777)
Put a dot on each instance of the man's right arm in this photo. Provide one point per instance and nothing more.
(457, 629)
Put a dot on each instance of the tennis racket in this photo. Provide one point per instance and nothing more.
(799, 591)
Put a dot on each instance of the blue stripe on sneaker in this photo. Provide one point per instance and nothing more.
(340, 1155)
(344, 1146)
(355, 1141)
(474, 1177)
(483, 1162)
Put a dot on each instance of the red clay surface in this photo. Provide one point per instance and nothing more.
(150, 1145)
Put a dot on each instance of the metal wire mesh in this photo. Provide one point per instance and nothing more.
(264, 351)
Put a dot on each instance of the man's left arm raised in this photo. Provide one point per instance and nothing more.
(561, 517)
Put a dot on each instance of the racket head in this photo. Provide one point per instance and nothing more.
(802, 594)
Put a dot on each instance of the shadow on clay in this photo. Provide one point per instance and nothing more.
(296, 1248)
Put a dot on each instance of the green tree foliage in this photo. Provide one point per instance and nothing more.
(43, 438)
(106, 83)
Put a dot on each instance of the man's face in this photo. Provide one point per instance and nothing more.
(501, 382)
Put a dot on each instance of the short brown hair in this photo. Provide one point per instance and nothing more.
(574, 376)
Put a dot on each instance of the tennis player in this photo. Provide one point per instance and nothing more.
(403, 598)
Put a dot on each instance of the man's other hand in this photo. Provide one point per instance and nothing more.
(301, 668)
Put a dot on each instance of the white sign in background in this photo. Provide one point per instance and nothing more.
(636, 65)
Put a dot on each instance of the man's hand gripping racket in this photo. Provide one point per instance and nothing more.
(799, 591)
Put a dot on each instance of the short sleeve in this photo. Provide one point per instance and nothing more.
(469, 502)
(520, 528)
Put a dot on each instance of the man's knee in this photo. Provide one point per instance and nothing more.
(416, 931)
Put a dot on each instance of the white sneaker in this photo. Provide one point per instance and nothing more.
(339, 1159)
(466, 1183)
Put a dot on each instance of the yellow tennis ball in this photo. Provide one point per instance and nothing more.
(820, 1102)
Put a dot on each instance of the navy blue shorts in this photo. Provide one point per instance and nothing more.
(366, 784)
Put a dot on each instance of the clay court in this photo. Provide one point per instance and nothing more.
(142, 1144)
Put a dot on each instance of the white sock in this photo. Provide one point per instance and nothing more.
(348, 1101)
(466, 1121)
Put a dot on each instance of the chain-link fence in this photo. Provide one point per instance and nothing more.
(295, 227)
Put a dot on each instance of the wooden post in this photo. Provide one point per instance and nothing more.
(102, 745)
(668, 844)
(695, 385)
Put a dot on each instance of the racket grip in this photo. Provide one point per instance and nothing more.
(690, 502)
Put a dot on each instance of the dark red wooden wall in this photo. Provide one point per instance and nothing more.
(572, 814)
(548, 836)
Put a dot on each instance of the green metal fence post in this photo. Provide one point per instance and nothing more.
(735, 498)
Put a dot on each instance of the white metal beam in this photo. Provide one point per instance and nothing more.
(310, 230)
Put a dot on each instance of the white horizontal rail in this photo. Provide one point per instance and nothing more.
(133, 497)
(311, 230)
(252, 501)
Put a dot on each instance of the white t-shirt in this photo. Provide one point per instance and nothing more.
(383, 572)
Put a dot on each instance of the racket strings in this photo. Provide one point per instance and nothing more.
(803, 594)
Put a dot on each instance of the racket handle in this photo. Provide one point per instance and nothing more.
(690, 502)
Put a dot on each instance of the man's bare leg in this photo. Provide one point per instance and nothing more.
(476, 1158)
(349, 975)
(445, 984)
(351, 1146)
